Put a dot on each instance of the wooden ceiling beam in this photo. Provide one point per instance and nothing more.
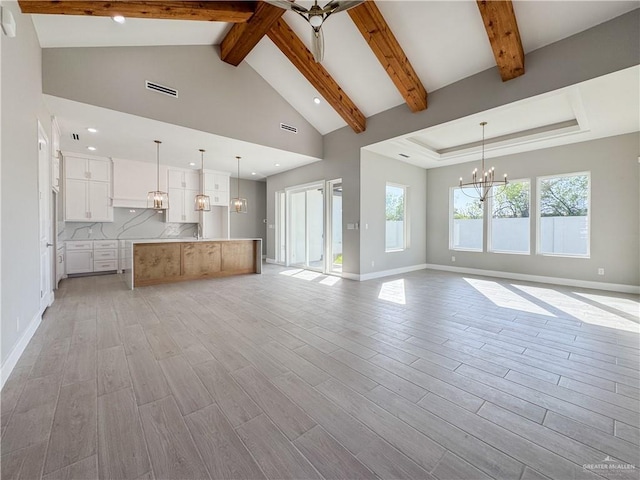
(502, 29)
(295, 50)
(390, 54)
(242, 37)
(217, 11)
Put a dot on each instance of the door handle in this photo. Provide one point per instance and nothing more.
(49, 244)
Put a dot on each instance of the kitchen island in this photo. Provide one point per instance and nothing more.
(157, 261)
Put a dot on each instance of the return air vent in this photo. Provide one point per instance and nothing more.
(288, 128)
(404, 155)
(75, 136)
(156, 87)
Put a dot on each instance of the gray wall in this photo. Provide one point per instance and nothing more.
(334, 166)
(214, 96)
(606, 48)
(251, 224)
(22, 106)
(615, 212)
(376, 171)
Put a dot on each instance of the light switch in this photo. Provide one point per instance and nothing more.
(350, 226)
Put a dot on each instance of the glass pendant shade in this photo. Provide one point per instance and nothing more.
(238, 204)
(202, 202)
(158, 200)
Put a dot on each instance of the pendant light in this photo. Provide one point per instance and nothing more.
(157, 199)
(238, 204)
(484, 181)
(202, 201)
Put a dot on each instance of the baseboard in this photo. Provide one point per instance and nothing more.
(270, 260)
(393, 271)
(569, 282)
(14, 356)
(350, 276)
(264, 257)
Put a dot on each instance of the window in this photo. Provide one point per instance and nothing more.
(509, 228)
(465, 220)
(563, 221)
(396, 215)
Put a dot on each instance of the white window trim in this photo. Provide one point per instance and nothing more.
(451, 246)
(538, 216)
(405, 216)
(490, 224)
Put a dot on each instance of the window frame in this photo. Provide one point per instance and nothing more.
(539, 180)
(451, 222)
(405, 217)
(490, 222)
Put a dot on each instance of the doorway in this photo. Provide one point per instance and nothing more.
(45, 220)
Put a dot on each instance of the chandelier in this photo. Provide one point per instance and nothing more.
(238, 204)
(158, 200)
(484, 181)
(202, 201)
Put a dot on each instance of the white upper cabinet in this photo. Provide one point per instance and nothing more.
(184, 185)
(87, 190)
(216, 185)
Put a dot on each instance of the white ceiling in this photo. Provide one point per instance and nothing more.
(444, 40)
(601, 107)
(130, 137)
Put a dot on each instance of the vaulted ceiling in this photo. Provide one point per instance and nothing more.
(377, 56)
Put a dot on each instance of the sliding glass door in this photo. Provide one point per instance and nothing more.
(334, 227)
(305, 224)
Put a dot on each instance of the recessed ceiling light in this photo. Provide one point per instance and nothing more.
(92, 130)
(316, 100)
(253, 173)
(277, 164)
(91, 148)
(192, 164)
(118, 19)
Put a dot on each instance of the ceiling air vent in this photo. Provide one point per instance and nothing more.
(288, 128)
(156, 87)
(75, 136)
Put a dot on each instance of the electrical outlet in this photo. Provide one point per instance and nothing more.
(453, 258)
(373, 263)
(601, 271)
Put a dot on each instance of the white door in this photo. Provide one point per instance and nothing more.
(75, 200)
(75, 168)
(99, 170)
(44, 210)
(175, 214)
(99, 208)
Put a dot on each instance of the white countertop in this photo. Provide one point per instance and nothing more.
(187, 240)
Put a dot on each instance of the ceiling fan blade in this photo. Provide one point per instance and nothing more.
(317, 44)
(288, 5)
(340, 5)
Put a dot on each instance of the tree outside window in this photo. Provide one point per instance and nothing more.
(564, 215)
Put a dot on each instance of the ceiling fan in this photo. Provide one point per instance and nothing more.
(316, 16)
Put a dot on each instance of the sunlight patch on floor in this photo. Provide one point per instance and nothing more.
(505, 298)
(584, 308)
(393, 292)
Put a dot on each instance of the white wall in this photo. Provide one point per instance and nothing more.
(22, 107)
(375, 171)
(615, 212)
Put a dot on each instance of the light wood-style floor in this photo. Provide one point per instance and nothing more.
(295, 375)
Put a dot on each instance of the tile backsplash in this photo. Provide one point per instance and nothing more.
(128, 223)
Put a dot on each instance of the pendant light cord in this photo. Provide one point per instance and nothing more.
(238, 177)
